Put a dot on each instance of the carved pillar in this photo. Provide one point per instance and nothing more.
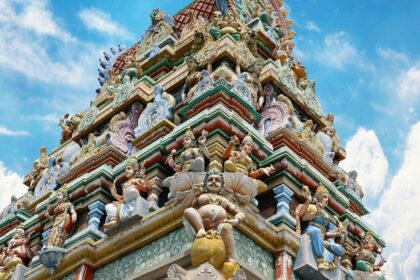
(283, 196)
(96, 211)
(284, 264)
(154, 193)
(84, 273)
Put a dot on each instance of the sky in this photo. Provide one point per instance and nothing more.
(363, 55)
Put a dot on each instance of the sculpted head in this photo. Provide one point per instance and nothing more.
(213, 182)
(62, 194)
(322, 195)
(189, 138)
(131, 168)
(247, 144)
(192, 64)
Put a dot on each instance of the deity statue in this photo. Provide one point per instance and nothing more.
(330, 130)
(283, 53)
(130, 202)
(316, 224)
(88, 149)
(214, 28)
(132, 68)
(192, 158)
(195, 25)
(309, 137)
(252, 79)
(207, 216)
(17, 252)
(241, 162)
(64, 216)
(161, 28)
(38, 170)
(271, 26)
(69, 125)
(254, 8)
(193, 78)
(365, 257)
(161, 108)
(230, 25)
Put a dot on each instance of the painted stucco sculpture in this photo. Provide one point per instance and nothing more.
(320, 229)
(130, 202)
(207, 214)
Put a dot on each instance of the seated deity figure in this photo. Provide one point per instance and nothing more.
(132, 69)
(283, 53)
(208, 210)
(130, 202)
(193, 78)
(17, 252)
(316, 224)
(241, 162)
(230, 25)
(214, 28)
(365, 257)
(64, 216)
(193, 157)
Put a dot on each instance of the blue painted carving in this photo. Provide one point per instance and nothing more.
(283, 196)
(96, 211)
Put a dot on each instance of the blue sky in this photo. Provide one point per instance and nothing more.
(364, 56)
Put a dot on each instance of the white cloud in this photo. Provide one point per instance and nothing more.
(365, 155)
(4, 131)
(393, 55)
(29, 34)
(11, 184)
(97, 20)
(396, 217)
(337, 51)
(409, 84)
(310, 25)
(49, 118)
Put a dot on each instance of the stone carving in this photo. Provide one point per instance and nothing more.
(283, 53)
(196, 25)
(248, 83)
(89, 117)
(192, 159)
(352, 186)
(321, 231)
(56, 168)
(229, 24)
(197, 82)
(122, 91)
(309, 137)
(271, 26)
(206, 216)
(275, 114)
(38, 170)
(241, 162)
(106, 62)
(89, 149)
(162, 26)
(63, 216)
(10, 209)
(69, 125)
(246, 49)
(17, 253)
(310, 99)
(161, 108)
(365, 257)
(130, 203)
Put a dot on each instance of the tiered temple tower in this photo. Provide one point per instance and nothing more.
(204, 155)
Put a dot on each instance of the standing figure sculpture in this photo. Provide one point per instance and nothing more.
(64, 216)
(207, 213)
(130, 202)
(322, 233)
(241, 162)
(192, 158)
(39, 168)
(193, 78)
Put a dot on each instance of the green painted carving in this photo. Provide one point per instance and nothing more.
(89, 117)
(254, 255)
(176, 243)
(154, 253)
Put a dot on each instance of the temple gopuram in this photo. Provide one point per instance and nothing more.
(205, 154)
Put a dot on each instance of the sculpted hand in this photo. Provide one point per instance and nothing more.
(198, 188)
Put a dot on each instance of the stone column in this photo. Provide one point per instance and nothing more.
(96, 211)
(283, 196)
(154, 193)
(284, 265)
